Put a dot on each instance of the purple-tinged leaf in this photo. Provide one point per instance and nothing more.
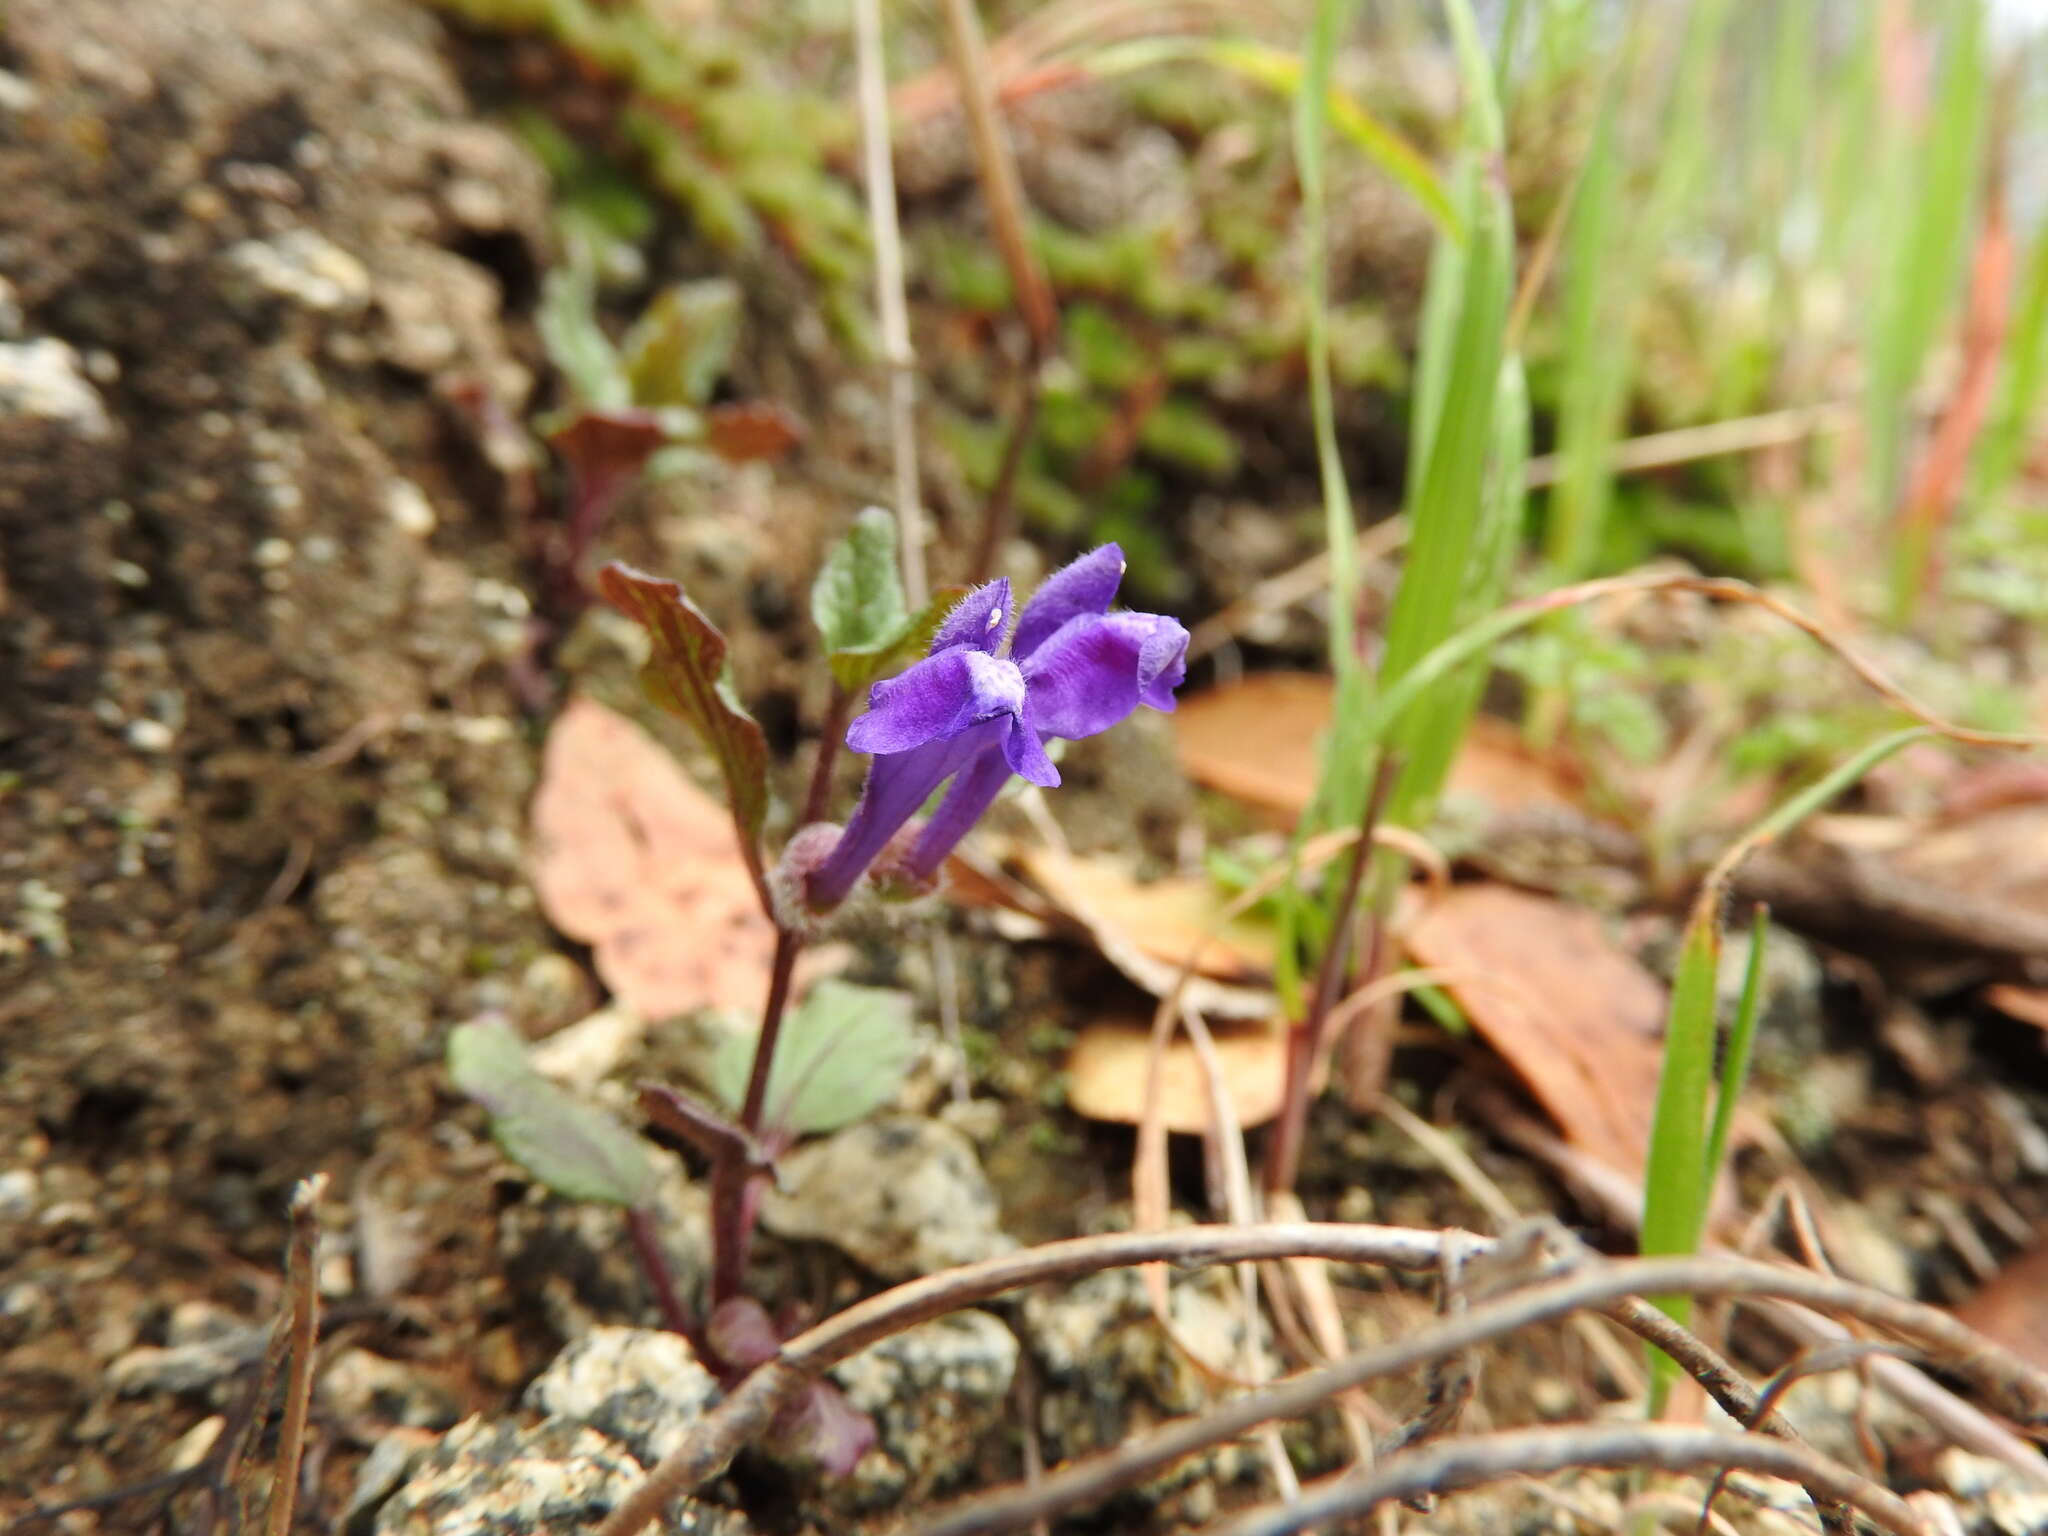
(574, 1148)
(605, 452)
(742, 1334)
(823, 1427)
(687, 675)
(683, 1119)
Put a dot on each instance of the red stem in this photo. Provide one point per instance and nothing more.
(660, 1278)
(820, 791)
(1305, 1040)
(732, 1173)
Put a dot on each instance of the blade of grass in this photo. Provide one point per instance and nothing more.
(1741, 1039)
(1595, 382)
(1684, 1152)
(1342, 771)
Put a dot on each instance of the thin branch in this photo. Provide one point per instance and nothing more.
(1136, 1460)
(2016, 1388)
(891, 306)
(1813, 1362)
(1471, 1460)
(298, 1391)
(998, 513)
(999, 175)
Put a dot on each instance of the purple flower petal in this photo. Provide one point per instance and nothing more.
(937, 697)
(974, 790)
(1025, 753)
(1096, 669)
(977, 620)
(1079, 588)
(898, 785)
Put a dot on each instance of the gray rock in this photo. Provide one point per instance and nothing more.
(499, 1477)
(20, 1192)
(937, 1394)
(43, 379)
(573, 1258)
(389, 1464)
(901, 1195)
(301, 267)
(1109, 1373)
(641, 1386)
(362, 1388)
(190, 1367)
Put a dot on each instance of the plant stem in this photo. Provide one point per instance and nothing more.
(660, 1278)
(891, 307)
(1305, 1040)
(820, 792)
(998, 514)
(732, 1204)
(305, 1336)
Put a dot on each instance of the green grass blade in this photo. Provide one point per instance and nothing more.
(1735, 1060)
(1597, 291)
(1311, 121)
(1674, 1189)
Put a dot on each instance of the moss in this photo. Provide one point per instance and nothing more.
(1182, 431)
(743, 154)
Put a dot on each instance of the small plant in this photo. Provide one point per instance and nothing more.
(992, 688)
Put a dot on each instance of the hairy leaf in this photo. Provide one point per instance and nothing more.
(687, 675)
(857, 604)
(857, 600)
(574, 1148)
(841, 1056)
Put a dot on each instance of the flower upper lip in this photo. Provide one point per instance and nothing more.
(972, 713)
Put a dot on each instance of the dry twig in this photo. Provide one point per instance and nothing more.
(1473, 1459)
(891, 307)
(2013, 1386)
(305, 1329)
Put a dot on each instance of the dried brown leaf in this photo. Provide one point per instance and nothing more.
(1256, 740)
(2013, 1308)
(631, 858)
(1106, 1071)
(1575, 1017)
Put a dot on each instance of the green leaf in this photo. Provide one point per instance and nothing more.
(574, 1148)
(857, 600)
(687, 675)
(841, 1056)
(683, 342)
(576, 344)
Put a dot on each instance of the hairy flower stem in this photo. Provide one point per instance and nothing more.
(829, 736)
(733, 1196)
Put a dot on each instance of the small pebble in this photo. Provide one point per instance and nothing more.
(20, 1190)
(152, 736)
(192, 1447)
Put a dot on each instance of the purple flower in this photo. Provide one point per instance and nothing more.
(975, 712)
